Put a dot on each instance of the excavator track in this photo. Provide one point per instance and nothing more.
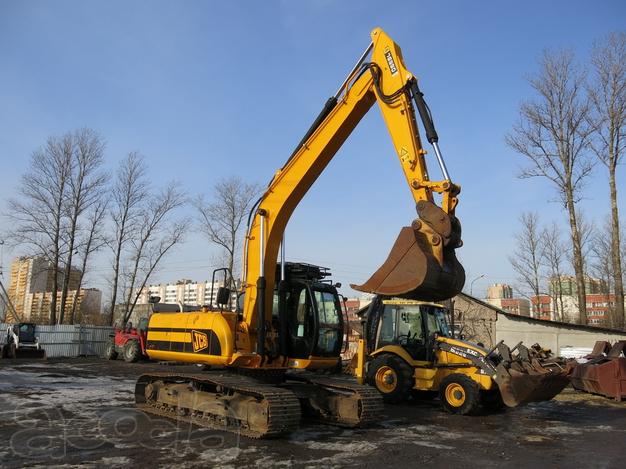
(220, 401)
(368, 402)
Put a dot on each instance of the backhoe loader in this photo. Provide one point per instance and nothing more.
(289, 325)
(408, 348)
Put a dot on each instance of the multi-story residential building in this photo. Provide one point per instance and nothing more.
(30, 292)
(599, 307)
(499, 290)
(542, 307)
(501, 296)
(183, 291)
(353, 305)
(567, 285)
(565, 308)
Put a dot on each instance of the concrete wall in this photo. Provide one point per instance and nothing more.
(553, 335)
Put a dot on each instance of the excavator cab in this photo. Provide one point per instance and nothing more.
(309, 311)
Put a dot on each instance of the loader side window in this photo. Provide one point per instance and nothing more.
(387, 328)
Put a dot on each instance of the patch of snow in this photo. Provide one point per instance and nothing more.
(115, 461)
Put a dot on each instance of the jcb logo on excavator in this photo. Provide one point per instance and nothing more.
(392, 64)
(199, 340)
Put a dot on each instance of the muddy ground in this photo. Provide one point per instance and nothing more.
(79, 412)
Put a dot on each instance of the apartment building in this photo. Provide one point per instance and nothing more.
(30, 292)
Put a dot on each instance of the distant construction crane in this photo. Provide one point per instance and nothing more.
(4, 296)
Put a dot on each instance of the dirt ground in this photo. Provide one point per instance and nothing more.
(79, 412)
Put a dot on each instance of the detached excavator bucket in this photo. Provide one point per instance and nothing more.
(422, 264)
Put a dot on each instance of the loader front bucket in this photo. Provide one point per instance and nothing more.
(422, 264)
(11, 352)
(30, 353)
(521, 387)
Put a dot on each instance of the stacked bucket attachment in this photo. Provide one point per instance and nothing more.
(422, 264)
(530, 375)
(605, 372)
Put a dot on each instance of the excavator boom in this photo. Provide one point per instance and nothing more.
(422, 263)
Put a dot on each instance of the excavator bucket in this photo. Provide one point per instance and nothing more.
(422, 264)
(523, 379)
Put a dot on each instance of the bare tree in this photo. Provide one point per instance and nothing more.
(92, 241)
(129, 192)
(602, 267)
(85, 185)
(527, 259)
(608, 97)
(37, 214)
(221, 219)
(156, 234)
(553, 255)
(554, 134)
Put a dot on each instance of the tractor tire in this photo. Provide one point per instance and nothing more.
(132, 351)
(110, 353)
(392, 376)
(459, 394)
(492, 400)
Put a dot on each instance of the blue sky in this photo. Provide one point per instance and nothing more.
(209, 89)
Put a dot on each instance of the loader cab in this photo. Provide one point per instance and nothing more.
(25, 332)
(411, 325)
(308, 312)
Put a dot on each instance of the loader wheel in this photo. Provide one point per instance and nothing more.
(392, 376)
(132, 353)
(110, 353)
(8, 351)
(459, 394)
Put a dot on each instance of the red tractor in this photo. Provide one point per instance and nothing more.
(129, 341)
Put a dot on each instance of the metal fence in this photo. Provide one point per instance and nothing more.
(69, 340)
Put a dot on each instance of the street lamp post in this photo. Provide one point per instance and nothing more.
(472, 283)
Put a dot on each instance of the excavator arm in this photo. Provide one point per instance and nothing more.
(422, 263)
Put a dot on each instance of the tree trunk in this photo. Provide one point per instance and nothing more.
(55, 286)
(578, 258)
(68, 270)
(615, 248)
(116, 276)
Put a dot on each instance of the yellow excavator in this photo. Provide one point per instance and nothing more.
(408, 349)
(288, 326)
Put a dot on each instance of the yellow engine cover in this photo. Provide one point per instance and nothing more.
(196, 337)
